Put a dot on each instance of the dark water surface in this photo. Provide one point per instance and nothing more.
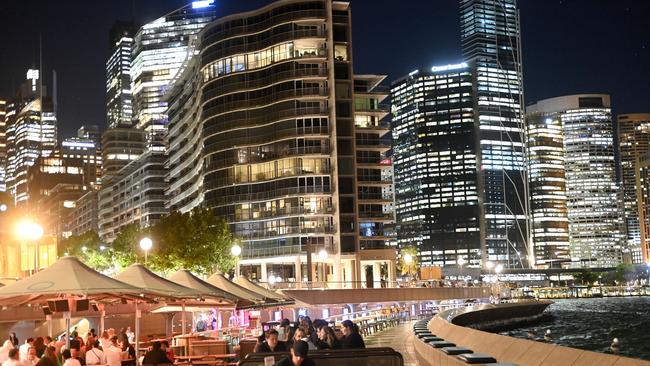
(591, 324)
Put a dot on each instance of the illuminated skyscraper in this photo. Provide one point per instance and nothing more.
(634, 141)
(491, 42)
(3, 145)
(642, 175)
(31, 133)
(594, 213)
(159, 49)
(435, 159)
(548, 196)
(119, 99)
(270, 128)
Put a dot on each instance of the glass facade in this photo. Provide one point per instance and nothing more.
(159, 49)
(270, 128)
(594, 214)
(634, 141)
(119, 99)
(3, 146)
(30, 133)
(435, 163)
(548, 195)
(642, 176)
(491, 40)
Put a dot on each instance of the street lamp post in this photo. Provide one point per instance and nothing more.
(30, 231)
(322, 255)
(145, 244)
(461, 261)
(236, 252)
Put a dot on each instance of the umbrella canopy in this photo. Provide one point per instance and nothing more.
(187, 279)
(140, 276)
(219, 280)
(68, 277)
(247, 284)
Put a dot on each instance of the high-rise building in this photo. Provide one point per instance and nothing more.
(435, 159)
(594, 214)
(120, 146)
(491, 42)
(548, 188)
(270, 128)
(85, 215)
(159, 49)
(642, 168)
(134, 195)
(31, 133)
(119, 99)
(3, 146)
(634, 141)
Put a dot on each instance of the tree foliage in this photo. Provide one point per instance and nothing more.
(198, 241)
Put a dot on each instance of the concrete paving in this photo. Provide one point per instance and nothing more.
(400, 338)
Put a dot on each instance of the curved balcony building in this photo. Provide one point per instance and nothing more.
(261, 129)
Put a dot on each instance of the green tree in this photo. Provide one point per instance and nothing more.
(586, 277)
(198, 241)
(89, 249)
(125, 248)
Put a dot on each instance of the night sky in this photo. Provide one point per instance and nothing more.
(569, 46)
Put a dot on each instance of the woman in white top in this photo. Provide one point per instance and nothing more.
(68, 360)
(4, 350)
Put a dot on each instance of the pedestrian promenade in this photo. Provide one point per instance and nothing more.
(400, 338)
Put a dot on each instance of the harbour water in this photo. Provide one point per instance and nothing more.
(592, 324)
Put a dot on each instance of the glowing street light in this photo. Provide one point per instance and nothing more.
(489, 265)
(3, 207)
(498, 268)
(408, 259)
(145, 244)
(235, 250)
(461, 261)
(323, 255)
(31, 231)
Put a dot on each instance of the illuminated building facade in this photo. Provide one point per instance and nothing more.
(547, 183)
(31, 133)
(594, 214)
(642, 175)
(491, 42)
(120, 146)
(435, 161)
(270, 128)
(85, 214)
(119, 99)
(159, 49)
(634, 141)
(3, 146)
(134, 195)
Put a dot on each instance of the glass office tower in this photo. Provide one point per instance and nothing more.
(31, 133)
(435, 160)
(3, 145)
(634, 141)
(491, 41)
(119, 99)
(271, 129)
(548, 196)
(594, 213)
(159, 49)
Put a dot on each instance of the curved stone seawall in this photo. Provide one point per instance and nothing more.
(455, 326)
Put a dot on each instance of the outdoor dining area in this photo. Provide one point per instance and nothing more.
(220, 319)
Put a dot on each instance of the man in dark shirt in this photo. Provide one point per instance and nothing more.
(298, 356)
(271, 344)
(156, 356)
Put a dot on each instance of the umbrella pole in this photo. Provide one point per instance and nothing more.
(102, 316)
(67, 329)
(48, 318)
(183, 318)
(137, 334)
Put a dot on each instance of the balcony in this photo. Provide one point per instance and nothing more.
(222, 124)
(375, 217)
(373, 144)
(286, 231)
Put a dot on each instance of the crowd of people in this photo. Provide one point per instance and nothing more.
(111, 348)
(300, 337)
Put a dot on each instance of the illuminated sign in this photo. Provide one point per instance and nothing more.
(202, 4)
(413, 72)
(461, 65)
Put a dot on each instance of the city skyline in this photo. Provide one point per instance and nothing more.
(80, 58)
